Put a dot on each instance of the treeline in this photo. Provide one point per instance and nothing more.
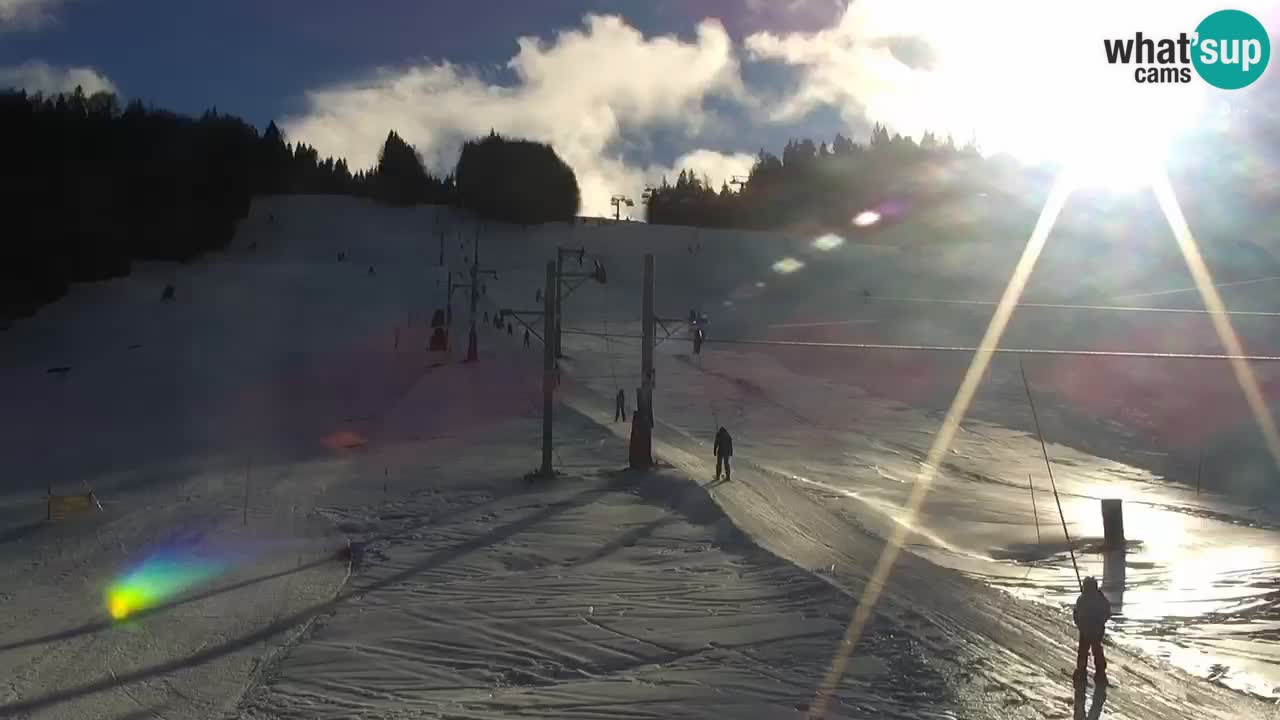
(1221, 168)
(819, 183)
(87, 187)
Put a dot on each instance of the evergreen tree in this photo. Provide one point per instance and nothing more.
(516, 181)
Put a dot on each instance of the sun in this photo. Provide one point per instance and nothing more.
(1116, 161)
(1047, 98)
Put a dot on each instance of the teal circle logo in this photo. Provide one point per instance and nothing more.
(1232, 49)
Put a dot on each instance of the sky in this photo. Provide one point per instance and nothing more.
(627, 92)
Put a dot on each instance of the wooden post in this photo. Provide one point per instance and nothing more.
(641, 454)
(548, 371)
(1113, 524)
(473, 353)
(556, 285)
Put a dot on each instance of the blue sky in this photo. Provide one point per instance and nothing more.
(627, 91)
(260, 60)
(256, 58)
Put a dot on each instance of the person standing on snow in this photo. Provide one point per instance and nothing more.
(1091, 613)
(723, 449)
(620, 407)
(526, 339)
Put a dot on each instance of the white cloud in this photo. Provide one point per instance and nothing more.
(718, 167)
(579, 92)
(38, 76)
(1027, 78)
(25, 14)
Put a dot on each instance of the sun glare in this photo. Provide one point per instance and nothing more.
(1044, 97)
(1123, 156)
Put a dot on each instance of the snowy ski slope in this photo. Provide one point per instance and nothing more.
(301, 383)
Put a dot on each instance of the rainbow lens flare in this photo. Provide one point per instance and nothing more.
(159, 578)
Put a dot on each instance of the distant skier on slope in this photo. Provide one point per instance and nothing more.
(526, 339)
(620, 407)
(1091, 613)
(723, 449)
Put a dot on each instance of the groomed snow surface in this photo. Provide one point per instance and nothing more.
(359, 540)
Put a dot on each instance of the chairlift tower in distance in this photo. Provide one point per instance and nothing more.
(617, 201)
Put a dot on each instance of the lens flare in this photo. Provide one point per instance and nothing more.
(828, 242)
(942, 440)
(866, 218)
(159, 578)
(787, 265)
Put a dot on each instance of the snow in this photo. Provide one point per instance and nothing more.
(472, 592)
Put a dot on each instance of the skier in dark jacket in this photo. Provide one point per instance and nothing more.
(724, 450)
(1091, 614)
(620, 407)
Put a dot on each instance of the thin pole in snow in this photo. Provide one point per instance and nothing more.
(548, 371)
(1035, 512)
(248, 472)
(1199, 470)
(1048, 466)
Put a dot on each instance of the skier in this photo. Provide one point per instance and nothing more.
(526, 338)
(698, 337)
(1091, 614)
(486, 317)
(724, 450)
(371, 272)
(620, 410)
(510, 329)
(537, 296)
(439, 340)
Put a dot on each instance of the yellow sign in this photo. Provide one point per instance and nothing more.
(62, 507)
